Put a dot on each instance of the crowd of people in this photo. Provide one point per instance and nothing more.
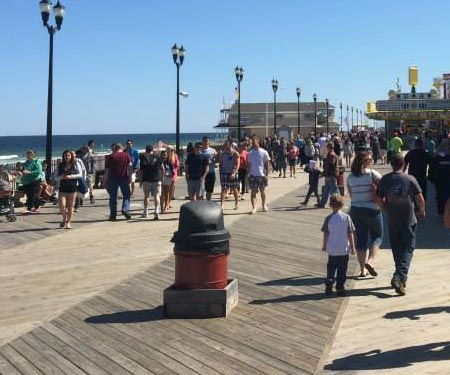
(246, 167)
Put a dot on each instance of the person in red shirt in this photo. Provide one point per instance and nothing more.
(331, 172)
(118, 169)
(293, 154)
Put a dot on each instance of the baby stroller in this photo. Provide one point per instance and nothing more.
(7, 197)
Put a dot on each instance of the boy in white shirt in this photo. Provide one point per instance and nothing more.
(338, 241)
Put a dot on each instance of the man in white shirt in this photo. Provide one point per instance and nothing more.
(258, 168)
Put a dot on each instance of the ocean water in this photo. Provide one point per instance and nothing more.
(12, 148)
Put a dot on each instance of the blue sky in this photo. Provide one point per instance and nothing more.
(114, 71)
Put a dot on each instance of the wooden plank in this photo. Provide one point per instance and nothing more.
(19, 362)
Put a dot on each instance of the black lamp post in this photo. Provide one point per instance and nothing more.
(299, 91)
(348, 122)
(327, 103)
(315, 114)
(178, 58)
(340, 106)
(59, 10)
(357, 120)
(274, 88)
(352, 118)
(361, 117)
(239, 76)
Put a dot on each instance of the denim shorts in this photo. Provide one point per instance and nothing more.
(369, 227)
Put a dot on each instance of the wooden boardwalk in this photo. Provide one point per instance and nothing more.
(282, 325)
(102, 312)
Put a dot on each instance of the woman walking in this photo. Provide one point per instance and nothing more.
(172, 157)
(348, 152)
(31, 181)
(166, 181)
(67, 174)
(365, 211)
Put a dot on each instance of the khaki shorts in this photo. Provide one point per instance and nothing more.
(90, 180)
(153, 188)
(133, 177)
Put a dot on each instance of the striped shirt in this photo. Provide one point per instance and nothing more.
(361, 188)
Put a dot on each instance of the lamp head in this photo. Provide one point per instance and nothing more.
(45, 6)
(274, 85)
(181, 54)
(59, 11)
(175, 53)
(299, 91)
(315, 97)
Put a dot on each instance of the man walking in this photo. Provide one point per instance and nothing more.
(134, 155)
(196, 168)
(150, 176)
(229, 166)
(210, 154)
(331, 172)
(417, 162)
(117, 175)
(397, 191)
(258, 167)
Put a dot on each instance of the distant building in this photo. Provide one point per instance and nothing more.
(414, 112)
(257, 118)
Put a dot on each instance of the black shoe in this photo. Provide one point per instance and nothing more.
(328, 287)
(126, 214)
(318, 205)
(92, 199)
(371, 270)
(341, 292)
(399, 286)
(112, 218)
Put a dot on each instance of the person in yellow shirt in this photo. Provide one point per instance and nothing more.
(396, 144)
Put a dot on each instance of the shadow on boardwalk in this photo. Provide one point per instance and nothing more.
(399, 358)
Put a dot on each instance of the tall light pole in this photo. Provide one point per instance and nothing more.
(361, 117)
(299, 91)
(58, 10)
(274, 88)
(340, 106)
(239, 72)
(352, 118)
(315, 115)
(357, 122)
(348, 122)
(327, 103)
(178, 58)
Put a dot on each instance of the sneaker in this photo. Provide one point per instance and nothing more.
(92, 199)
(265, 209)
(126, 214)
(144, 213)
(328, 287)
(112, 218)
(318, 205)
(156, 216)
(341, 292)
(304, 203)
(399, 286)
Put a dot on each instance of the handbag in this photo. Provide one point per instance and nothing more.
(82, 186)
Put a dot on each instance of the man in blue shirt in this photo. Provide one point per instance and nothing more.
(134, 155)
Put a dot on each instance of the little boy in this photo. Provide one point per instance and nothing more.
(338, 239)
(313, 179)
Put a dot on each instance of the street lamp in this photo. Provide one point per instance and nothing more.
(299, 91)
(239, 76)
(327, 103)
(274, 88)
(178, 58)
(340, 106)
(315, 114)
(357, 121)
(58, 10)
(352, 118)
(348, 122)
(361, 117)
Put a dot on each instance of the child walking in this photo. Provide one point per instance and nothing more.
(338, 240)
(313, 179)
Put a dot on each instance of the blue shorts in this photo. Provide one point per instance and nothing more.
(369, 227)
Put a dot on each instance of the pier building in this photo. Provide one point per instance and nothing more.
(414, 112)
(258, 118)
